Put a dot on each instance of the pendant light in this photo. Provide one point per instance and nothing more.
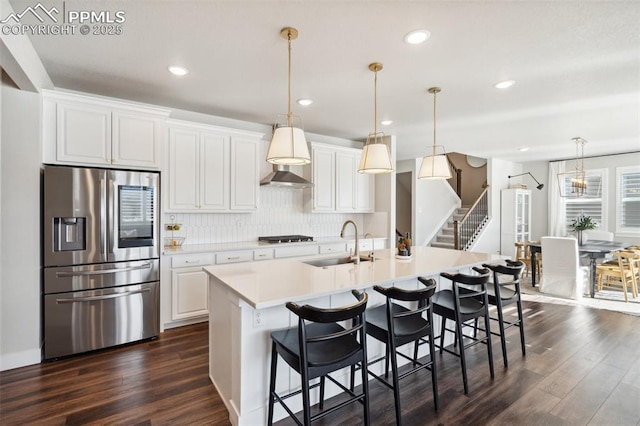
(288, 144)
(574, 184)
(376, 157)
(435, 166)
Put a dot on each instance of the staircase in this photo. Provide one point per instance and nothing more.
(444, 238)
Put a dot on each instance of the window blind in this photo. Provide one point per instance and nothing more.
(630, 200)
(588, 205)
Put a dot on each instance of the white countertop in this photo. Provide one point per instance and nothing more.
(274, 282)
(249, 245)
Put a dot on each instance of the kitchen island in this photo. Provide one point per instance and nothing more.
(246, 303)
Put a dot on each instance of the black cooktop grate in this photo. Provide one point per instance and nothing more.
(276, 239)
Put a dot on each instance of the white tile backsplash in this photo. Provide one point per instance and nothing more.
(280, 213)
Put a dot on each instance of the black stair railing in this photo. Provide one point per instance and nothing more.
(466, 229)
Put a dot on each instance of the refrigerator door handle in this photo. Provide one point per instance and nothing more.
(102, 271)
(103, 215)
(111, 214)
(105, 297)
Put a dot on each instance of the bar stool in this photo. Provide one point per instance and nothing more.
(506, 291)
(462, 304)
(317, 347)
(395, 326)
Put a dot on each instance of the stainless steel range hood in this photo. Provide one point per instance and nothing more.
(281, 176)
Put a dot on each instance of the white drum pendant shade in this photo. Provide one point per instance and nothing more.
(375, 159)
(288, 146)
(434, 167)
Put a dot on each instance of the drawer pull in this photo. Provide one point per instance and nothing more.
(191, 261)
(233, 258)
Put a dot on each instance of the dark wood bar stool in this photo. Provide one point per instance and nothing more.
(467, 300)
(317, 347)
(395, 326)
(506, 291)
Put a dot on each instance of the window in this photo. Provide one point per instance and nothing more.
(592, 203)
(628, 199)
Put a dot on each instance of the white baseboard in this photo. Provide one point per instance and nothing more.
(20, 359)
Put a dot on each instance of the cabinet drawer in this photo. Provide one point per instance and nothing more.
(263, 254)
(234, 256)
(333, 248)
(295, 251)
(191, 260)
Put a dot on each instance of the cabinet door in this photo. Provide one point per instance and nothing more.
(323, 174)
(189, 293)
(345, 181)
(83, 134)
(136, 140)
(214, 172)
(245, 174)
(183, 170)
(365, 194)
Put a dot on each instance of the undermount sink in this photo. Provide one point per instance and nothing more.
(333, 261)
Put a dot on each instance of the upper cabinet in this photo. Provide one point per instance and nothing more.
(79, 129)
(338, 187)
(211, 169)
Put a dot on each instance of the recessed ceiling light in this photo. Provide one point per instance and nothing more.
(386, 122)
(417, 36)
(304, 102)
(177, 70)
(504, 84)
(523, 149)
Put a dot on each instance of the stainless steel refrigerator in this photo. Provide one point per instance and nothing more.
(101, 258)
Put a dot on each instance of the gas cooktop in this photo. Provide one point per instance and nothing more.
(276, 239)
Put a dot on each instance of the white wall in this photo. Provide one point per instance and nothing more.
(20, 228)
(434, 202)
(497, 178)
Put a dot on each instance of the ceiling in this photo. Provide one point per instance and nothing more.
(576, 65)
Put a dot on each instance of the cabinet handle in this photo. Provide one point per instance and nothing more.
(191, 261)
(261, 255)
(233, 258)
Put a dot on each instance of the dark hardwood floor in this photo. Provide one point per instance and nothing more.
(582, 367)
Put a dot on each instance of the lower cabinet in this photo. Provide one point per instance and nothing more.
(189, 287)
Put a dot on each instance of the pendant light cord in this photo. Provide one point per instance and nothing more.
(375, 107)
(289, 82)
(434, 123)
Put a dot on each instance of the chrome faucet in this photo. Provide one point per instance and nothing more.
(368, 234)
(356, 257)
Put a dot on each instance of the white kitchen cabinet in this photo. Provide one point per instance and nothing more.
(211, 169)
(323, 178)
(345, 181)
(338, 187)
(333, 248)
(365, 194)
(245, 174)
(235, 256)
(189, 287)
(515, 219)
(79, 129)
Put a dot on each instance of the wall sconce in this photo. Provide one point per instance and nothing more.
(540, 185)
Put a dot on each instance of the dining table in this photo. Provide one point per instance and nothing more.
(593, 249)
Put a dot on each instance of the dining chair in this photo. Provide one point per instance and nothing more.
(562, 274)
(319, 346)
(523, 254)
(621, 275)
